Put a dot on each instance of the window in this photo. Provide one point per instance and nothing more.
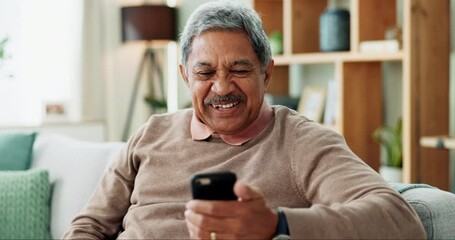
(42, 61)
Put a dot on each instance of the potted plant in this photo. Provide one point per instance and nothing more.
(155, 104)
(391, 139)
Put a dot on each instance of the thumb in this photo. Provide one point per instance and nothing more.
(245, 192)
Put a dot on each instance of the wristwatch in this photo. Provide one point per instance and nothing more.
(282, 230)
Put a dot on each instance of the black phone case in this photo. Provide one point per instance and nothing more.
(214, 186)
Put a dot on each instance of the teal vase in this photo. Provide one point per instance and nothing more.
(334, 30)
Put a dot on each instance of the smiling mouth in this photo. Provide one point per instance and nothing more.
(225, 106)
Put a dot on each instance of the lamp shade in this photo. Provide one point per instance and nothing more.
(148, 22)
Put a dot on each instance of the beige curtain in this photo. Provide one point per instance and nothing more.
(93, 99)
(103, 87)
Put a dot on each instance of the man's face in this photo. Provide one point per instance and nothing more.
(225, 79)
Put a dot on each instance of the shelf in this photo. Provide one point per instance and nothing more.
(424, 59)
(314, 58)
(441, 142)
(90, 130)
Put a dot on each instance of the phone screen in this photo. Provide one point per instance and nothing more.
(214, 186)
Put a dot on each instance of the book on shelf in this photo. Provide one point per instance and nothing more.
(312, 103)
(380, 46)
(331, 103)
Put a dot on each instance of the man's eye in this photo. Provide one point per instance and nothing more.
(205, 74)
(240, 72)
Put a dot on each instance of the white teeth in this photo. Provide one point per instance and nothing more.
(225, 106)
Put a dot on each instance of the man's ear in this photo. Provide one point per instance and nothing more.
(268, 73)
(184, 76)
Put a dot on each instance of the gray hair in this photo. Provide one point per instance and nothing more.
(223, 15)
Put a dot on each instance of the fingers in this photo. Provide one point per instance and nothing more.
(245, 192)
(214, 208)
(228, 208)
(206, 222)
(259, 225)
(195, 231)
(199, 233)
(202, 226)
(232, 219)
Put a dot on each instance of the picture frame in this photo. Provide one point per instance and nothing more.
(55, 111)
(312, 103)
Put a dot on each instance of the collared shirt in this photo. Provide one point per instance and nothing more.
(200, 131)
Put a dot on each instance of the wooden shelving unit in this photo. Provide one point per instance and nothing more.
(425, 63)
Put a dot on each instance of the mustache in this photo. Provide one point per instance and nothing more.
(227, 98)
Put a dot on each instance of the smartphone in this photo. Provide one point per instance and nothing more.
(213, 186)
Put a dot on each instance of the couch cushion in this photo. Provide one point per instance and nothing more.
(24, 204)
(75, 167)
(15, 150)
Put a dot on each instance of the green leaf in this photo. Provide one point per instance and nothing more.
(391, 139)
(156, 104)
(2, 46)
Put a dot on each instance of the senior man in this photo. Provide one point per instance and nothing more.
(296, 178)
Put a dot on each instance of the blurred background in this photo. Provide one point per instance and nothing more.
(69, 66)
(66, 66)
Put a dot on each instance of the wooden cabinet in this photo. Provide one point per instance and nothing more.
(424, 57)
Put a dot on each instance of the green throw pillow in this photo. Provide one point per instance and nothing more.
(16, 150)
(25, 204)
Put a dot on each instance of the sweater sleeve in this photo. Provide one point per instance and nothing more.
(348, 199)
(103, 214)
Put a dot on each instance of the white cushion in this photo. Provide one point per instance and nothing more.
(75, 167)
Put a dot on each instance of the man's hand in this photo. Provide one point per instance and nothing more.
(247, 218)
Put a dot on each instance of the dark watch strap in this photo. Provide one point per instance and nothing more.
(282, 226)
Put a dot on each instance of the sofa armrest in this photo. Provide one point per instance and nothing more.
(435, 207)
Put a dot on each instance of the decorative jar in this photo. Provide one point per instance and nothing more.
(334, 30)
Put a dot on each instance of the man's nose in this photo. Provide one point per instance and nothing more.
(223, 86)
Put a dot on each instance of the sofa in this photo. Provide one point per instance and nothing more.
(71, 167)
(74, 167)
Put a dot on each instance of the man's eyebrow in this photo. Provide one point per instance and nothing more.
(202, 64)
(243, 62)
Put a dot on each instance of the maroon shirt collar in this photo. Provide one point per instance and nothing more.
(200, 131)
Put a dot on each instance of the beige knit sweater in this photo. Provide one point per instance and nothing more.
(325, 190)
